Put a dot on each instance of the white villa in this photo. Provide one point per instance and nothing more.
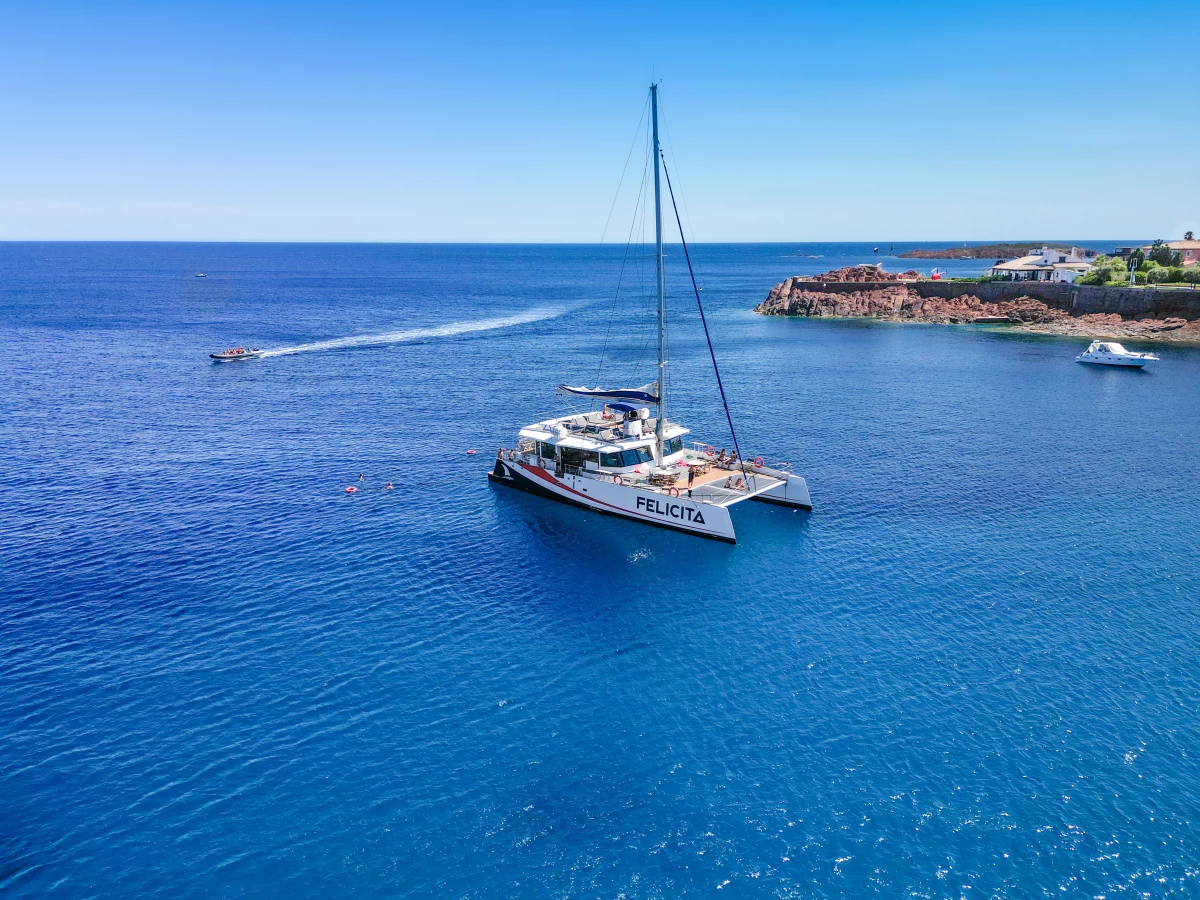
(1048, 264)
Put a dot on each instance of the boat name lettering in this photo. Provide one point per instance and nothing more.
(671, 510)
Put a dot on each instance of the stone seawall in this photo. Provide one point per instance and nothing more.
(1077, 299)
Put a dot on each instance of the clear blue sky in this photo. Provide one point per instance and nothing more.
(490, 122)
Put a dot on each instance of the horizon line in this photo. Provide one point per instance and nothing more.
(947, 241)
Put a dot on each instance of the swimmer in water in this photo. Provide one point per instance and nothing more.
(361, 476)
(389, 486)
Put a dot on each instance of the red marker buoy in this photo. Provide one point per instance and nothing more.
(351, 490)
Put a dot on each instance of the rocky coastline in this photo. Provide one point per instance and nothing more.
(892, 297)
(981, 251)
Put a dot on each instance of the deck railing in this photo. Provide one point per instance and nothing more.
(701, 493)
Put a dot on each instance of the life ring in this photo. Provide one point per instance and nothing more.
(710, 452)
(471, 452)
(617, 479)
(541, 463)
(352, 490)
(672, 492)
(758, 462)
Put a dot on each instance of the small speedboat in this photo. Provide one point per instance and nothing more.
(235, 353)
(1110, 353)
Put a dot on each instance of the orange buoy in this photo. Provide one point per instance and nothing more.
(351, 490)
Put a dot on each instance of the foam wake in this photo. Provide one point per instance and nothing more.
(417, 334)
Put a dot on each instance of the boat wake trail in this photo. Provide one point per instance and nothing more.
(416, 334)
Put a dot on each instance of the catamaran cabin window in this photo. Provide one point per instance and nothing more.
(626, 458)
(674, 445)
(546, 450)
(637, 455)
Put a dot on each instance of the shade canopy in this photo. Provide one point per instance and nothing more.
(647, 393)
(624, 407)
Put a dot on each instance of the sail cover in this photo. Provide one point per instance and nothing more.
(647, 393)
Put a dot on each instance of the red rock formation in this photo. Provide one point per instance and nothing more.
(860, 273)
(900, 302)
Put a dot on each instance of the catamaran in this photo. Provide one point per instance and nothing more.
(626, 458)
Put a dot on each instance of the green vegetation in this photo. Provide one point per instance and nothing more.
(1107, 270)
(1155, 273)
(1160, 266)
(1164, 255)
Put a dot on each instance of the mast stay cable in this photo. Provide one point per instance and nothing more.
(704, 321)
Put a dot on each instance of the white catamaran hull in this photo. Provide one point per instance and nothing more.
(792, 492)
(705, 519)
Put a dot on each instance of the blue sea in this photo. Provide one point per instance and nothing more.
(973, 670)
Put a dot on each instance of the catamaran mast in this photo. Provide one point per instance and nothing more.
(662, 306)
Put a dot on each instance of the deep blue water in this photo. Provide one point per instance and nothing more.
(972, 670)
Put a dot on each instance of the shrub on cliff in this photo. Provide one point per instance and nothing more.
(1165, 275)
(1105, 270)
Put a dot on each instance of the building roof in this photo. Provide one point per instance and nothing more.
(1033, 264)
(1025, 263)
(1184, 245)
(1039, 261)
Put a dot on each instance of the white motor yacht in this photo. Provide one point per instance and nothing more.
(1110, 353)
(624, 456)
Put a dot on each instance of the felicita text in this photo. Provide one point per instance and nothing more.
(671, 510)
